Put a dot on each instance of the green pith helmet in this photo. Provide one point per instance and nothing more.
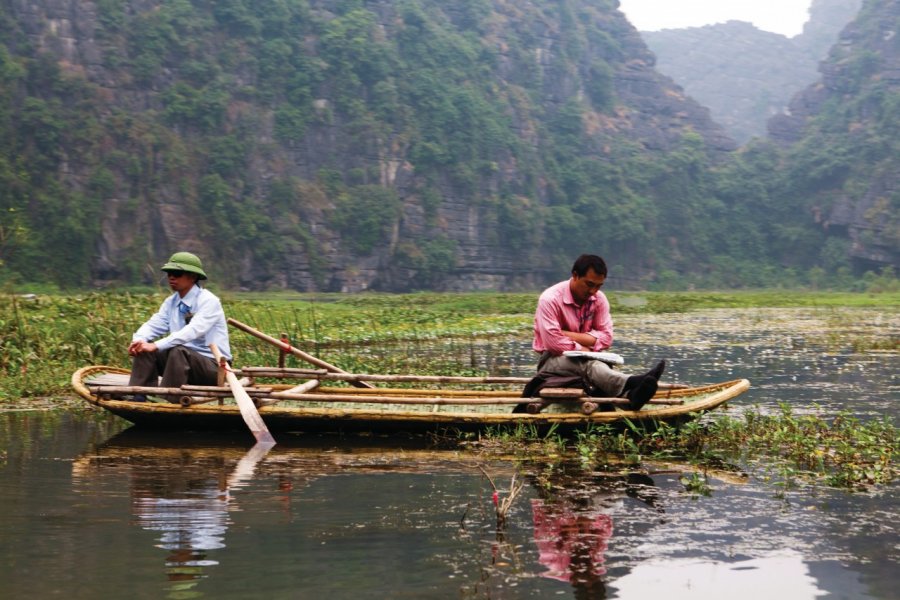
(185, 261)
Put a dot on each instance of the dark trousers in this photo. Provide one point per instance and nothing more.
(177, 366)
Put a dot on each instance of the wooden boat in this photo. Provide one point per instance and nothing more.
(330, 399)
(307, 400)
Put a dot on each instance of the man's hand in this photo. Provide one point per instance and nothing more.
(585, 340)
(136, 347)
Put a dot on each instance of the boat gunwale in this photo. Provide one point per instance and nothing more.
(718, 394)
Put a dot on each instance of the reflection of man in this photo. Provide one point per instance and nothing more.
(574, 315)
(197, 522)
(189, 528)
(187, 505)
(573, 525)
(571, 544)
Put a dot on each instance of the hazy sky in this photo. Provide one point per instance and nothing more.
(780, 16)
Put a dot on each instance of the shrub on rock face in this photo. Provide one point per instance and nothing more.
(364, 215)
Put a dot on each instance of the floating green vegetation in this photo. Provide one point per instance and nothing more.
(843, 452)
(44, 338)
(664, 302)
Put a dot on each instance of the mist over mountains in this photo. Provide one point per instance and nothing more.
(743, 74)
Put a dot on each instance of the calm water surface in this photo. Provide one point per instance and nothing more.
(92, 508)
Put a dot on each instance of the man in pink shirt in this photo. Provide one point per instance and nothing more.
(574, 315)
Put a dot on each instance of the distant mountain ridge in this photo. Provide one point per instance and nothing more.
(743, 74)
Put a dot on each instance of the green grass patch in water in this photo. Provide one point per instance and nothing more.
(842, 452)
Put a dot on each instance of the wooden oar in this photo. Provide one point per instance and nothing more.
(248, 409)
(295, 351)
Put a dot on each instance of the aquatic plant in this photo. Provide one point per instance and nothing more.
(843, 451)
(695, 483)
(502, 504)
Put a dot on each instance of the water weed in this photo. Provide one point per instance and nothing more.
(696, 484)
(44, 338)
(786, 449)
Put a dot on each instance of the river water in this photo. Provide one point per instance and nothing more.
(93, 508)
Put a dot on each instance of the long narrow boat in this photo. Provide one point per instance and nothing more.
(306, 400)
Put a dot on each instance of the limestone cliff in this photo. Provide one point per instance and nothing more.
(326, 145)
(841, 140)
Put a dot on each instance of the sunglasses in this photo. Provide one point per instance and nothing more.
(175, 273)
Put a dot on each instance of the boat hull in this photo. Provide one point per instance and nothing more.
(296, 417)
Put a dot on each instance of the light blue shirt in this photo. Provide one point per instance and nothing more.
(207, 326)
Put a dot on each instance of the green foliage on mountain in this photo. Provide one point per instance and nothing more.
(843, 157)
(345, 144)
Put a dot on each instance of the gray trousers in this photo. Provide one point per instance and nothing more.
(177, 366)
(604, 378)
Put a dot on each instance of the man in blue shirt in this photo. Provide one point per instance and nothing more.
(174, 342)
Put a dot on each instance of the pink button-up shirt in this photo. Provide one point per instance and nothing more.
(557, 311)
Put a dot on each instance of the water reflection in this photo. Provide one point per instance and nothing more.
(187, 492)
(573, 524)
(779, 575)
(190, 527)
(210, 515)
(182, 494)
(192, 515)
(572, 545)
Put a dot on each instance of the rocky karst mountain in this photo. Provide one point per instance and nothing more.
(840, 136)
(746, 75)
(333, 145)
(421, 144)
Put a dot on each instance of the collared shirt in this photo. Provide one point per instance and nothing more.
(557, 312)
(207, 326)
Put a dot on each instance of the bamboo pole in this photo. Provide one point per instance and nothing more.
(445, 400)
(373, 399)
(195, 390)
(299, 389)
(295, 373)
(304, 387)
(467, 393)
(295, 351)
(282, 353)
(265, 396)
(226, 389)
(353, 377)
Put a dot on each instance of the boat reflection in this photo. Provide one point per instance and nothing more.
(186, 490)
(183, 494)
